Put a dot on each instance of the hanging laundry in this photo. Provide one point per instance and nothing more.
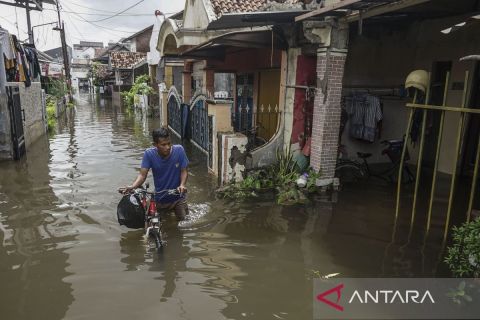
(23, 72)
(8, 49)
(3, 78)
(365, 113)
(6, 44)
(32, 58)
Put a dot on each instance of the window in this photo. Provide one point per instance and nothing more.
(224, 85)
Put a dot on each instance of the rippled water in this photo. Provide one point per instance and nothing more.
(64, 256)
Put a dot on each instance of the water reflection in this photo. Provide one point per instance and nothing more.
(62, 246)
(35, 234)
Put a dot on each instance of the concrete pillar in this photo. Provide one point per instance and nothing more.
(187, 82)
(209, 81)
(163, 107)
(289, 99)
(168, 76)
(327, 112)
(221, 116)
(232, 157)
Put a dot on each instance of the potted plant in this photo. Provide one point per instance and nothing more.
(463, 256)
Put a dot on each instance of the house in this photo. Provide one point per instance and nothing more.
(140, 41)
(312, 60)
(237, 70)
(22, 102)
(83, 53)
(102, 73)
(57, 53)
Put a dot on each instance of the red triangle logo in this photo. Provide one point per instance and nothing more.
(322, 297)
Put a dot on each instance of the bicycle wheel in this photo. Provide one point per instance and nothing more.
(155, 234)
(349, 172)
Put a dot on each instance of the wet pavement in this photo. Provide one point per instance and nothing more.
(64, 256)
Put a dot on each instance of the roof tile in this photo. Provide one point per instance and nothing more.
(234, 6)
(126, 59)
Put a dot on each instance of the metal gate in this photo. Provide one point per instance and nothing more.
(465, 114)
(199, 125)
(17, 118)
(175, 115)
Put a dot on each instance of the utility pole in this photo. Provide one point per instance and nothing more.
(66, 63)
(29, 23)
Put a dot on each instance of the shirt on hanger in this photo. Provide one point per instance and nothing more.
(365, 113)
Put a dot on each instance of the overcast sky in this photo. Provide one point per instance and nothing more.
(76, 13)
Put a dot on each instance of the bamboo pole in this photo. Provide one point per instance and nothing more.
(437, 154)
(420, 159)
(455, 157)
(402, 158)
(474, 183)
(454, 109)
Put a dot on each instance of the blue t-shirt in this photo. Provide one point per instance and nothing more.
(166, 171)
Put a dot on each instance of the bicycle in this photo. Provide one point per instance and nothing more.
(353, 170)
(152, 217)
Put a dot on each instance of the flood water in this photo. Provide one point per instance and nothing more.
(64, 256)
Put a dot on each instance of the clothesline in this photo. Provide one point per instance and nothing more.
(377, 91)
(20, 60)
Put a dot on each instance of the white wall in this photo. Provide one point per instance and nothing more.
(153, 56)
(86, 53)
(195, 16)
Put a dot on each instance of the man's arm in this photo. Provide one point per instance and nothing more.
(183, 180)
(142, 176)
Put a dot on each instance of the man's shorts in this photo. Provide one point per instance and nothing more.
(180, 207)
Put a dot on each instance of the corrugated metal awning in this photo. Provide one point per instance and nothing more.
(216, 47)
(254, 19)
(469, 21)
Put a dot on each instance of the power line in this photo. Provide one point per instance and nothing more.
(116, 14)
(13, 24)
(86, 7)
(16, 22)
(100, 26)
(107, 11)
(75, 27)
(103, 27)
(108, 15)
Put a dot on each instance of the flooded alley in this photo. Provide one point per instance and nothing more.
(64, 256)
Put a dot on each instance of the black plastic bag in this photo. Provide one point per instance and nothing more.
(130, 212)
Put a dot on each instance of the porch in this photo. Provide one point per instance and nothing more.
(231, 86)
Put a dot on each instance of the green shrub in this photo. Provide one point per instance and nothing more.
(140, 86)
(57, 88)
(280, 177)
(51, 113)
(463, 257)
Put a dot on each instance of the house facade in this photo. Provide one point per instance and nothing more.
(308, 61)
(82, 56)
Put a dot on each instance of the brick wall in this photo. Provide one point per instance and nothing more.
(327, 111)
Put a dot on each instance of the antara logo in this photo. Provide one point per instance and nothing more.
(375, 297)
(391, 296)
(335, 305)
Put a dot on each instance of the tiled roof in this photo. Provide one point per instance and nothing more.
(233, 6)
(126, 59)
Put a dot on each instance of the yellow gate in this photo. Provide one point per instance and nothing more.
(267, 113)
(464, 113)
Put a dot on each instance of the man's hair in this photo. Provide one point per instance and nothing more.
(160, 133)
